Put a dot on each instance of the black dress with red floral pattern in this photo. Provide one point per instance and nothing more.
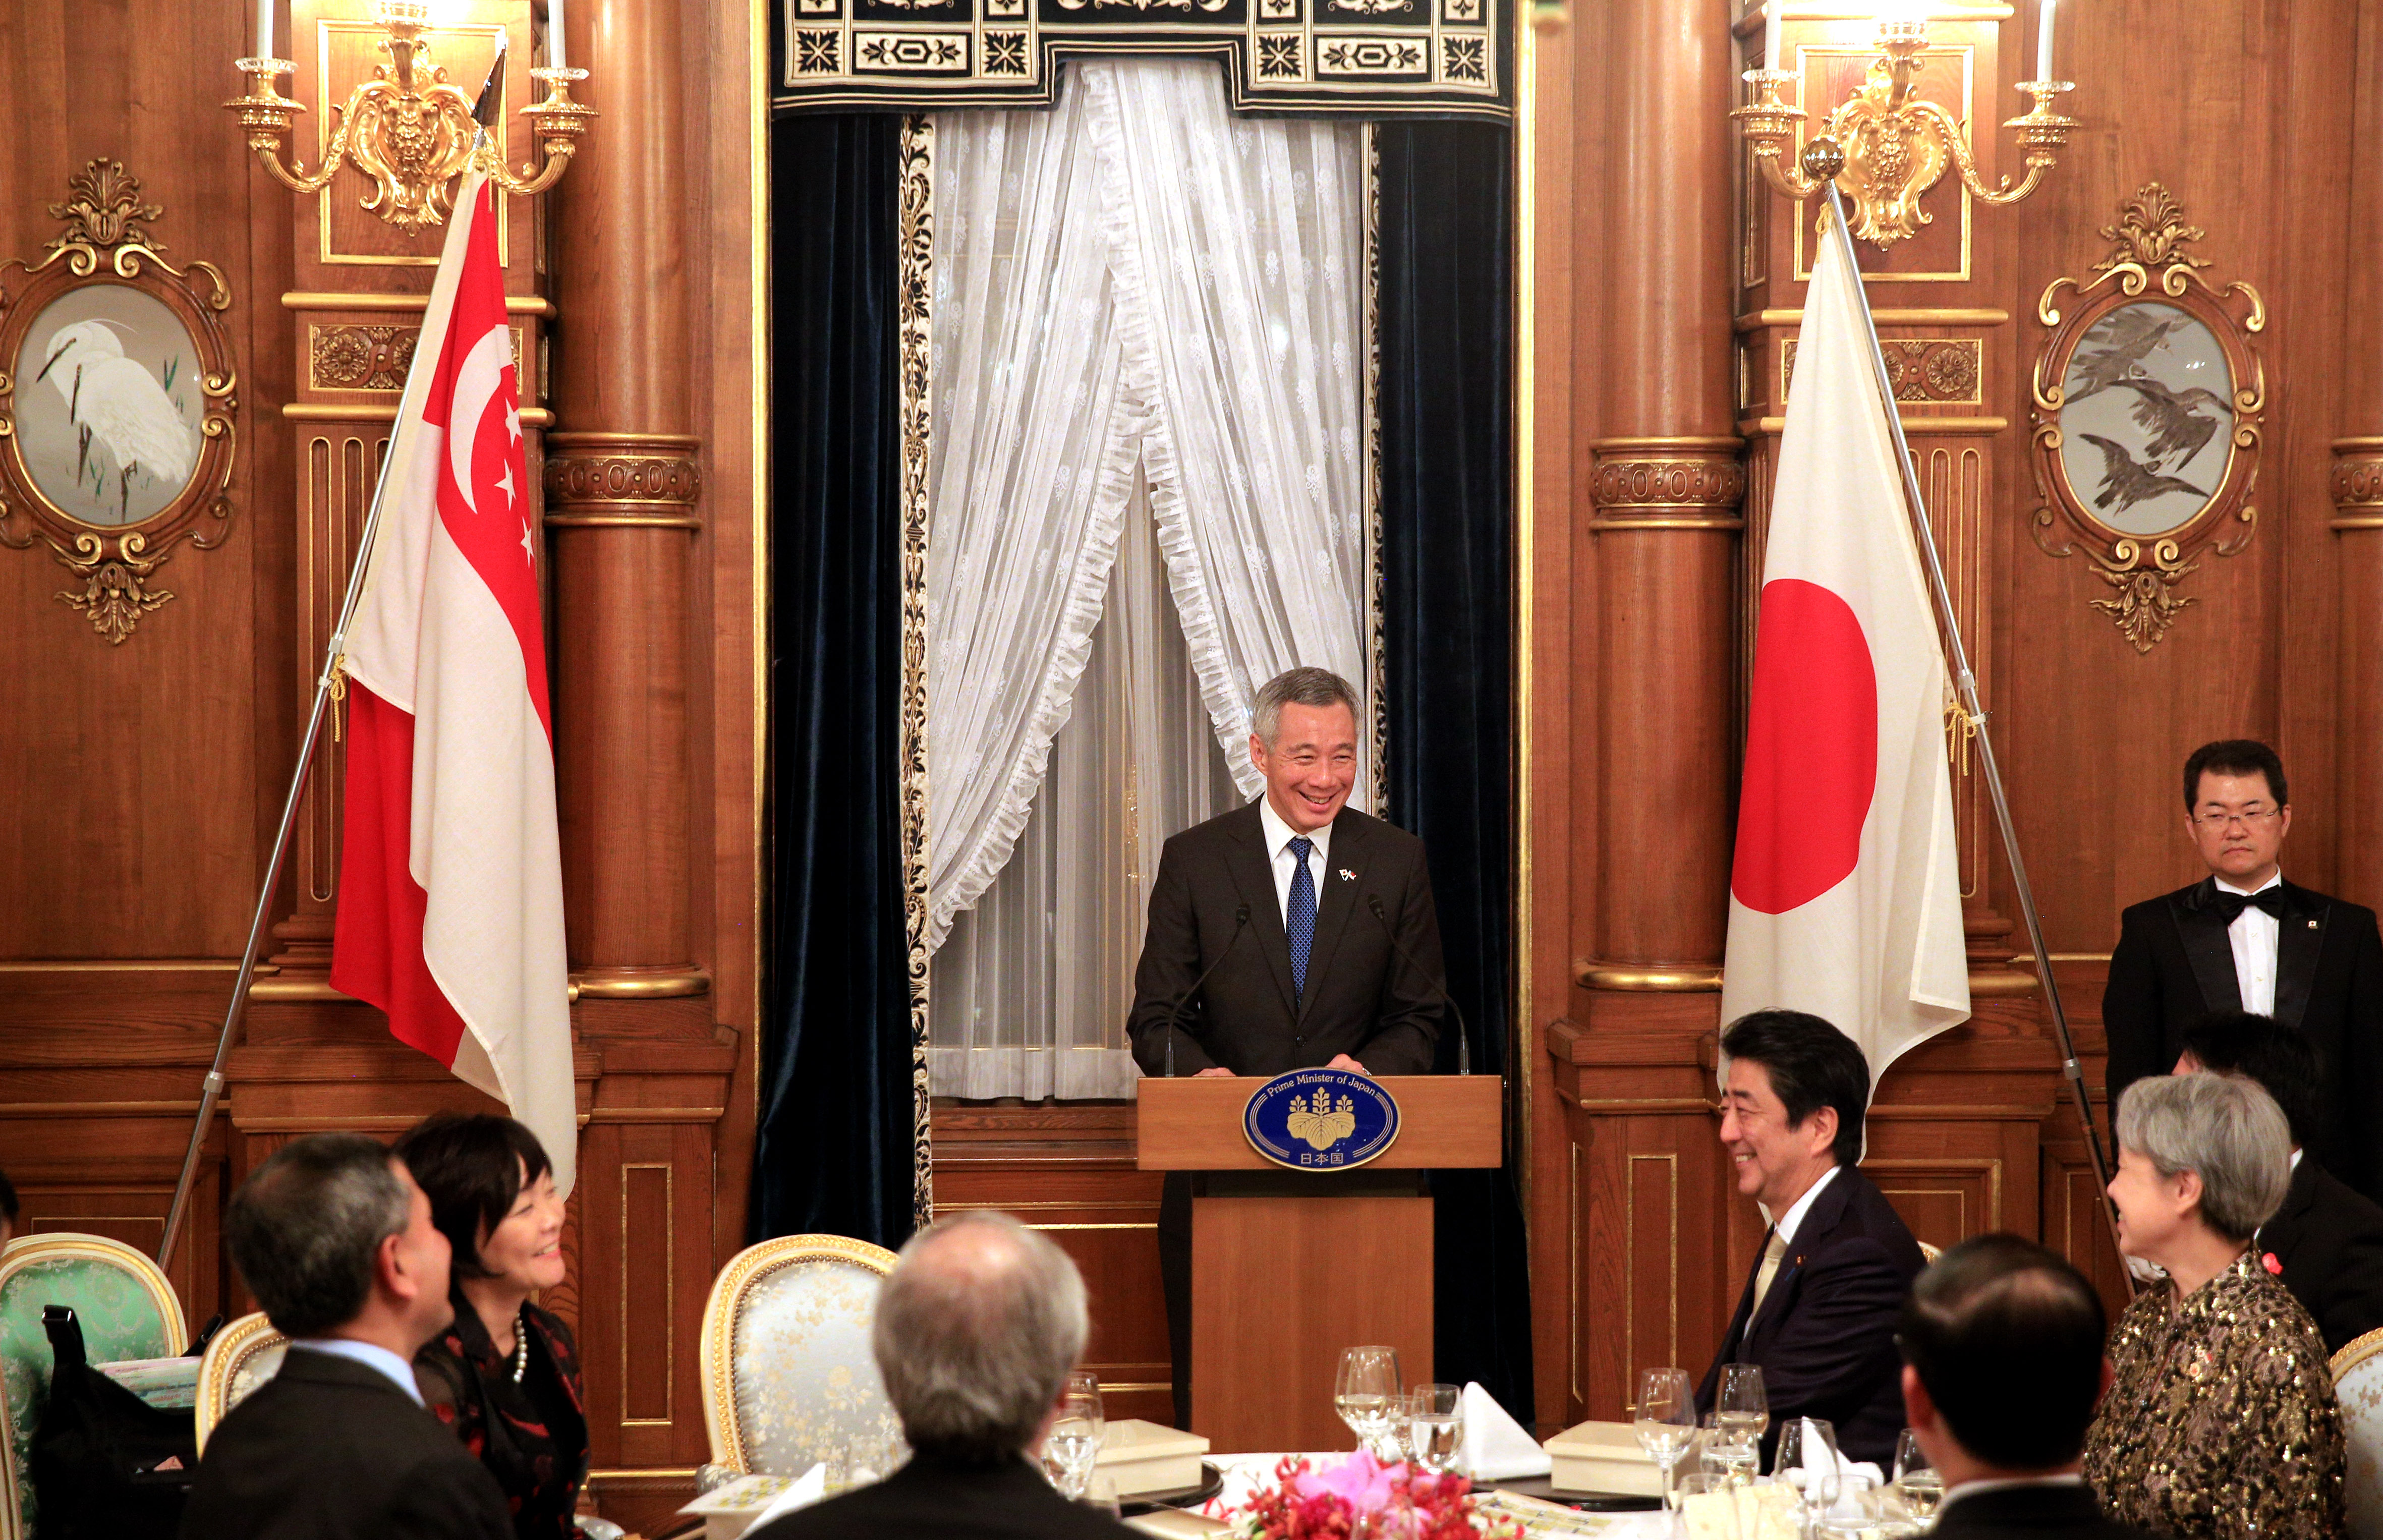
(531, 1433)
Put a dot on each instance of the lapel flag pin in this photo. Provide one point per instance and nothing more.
(1348, 876)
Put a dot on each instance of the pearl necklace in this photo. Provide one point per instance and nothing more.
(521, 1346)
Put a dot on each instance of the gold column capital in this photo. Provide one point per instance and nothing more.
(1685, 483)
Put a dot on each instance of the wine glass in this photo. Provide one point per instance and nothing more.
(1075, 1440)
(1807, 1462)
(1666, 1420)
(1436, 1426)
(1368, 1398)
(1729, 1452)
(1741, 1406)
(1915, 1480)
(1714, 1499)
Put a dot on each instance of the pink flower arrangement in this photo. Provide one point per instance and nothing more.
(1358, 1497)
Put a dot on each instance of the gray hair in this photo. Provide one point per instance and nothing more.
(977, 1327)
(2225, 1129)
(1316, 687)
(304, 1228)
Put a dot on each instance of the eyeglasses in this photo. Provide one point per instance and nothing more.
(2246, 816)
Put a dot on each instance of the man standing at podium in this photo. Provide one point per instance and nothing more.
(1290, 933)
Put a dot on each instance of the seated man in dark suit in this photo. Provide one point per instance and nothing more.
(2326, 1241)
(2242, 939)
(2003, 1366)
(336, 1242)
(977, 1327)
(1818, 1314)
(1275, 942)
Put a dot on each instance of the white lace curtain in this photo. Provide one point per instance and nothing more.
(1146, 328)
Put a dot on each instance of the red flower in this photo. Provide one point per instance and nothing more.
(2271, 1265)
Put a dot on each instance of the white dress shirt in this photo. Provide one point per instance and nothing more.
(1279, 836)
(372, 1355)
(2254, 936)
(1979, 1488)
(1785, 1224)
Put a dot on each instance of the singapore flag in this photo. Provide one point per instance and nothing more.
(451, 868)
(1845, 896)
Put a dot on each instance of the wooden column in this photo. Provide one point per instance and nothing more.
(2358, 509)
(622, 487)
(1665, 497)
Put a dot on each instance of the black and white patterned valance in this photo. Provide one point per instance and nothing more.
(1371, 58)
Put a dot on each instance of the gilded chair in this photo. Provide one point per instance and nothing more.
(241, 1356)
(788, 1378)
(2358, 1385)
(127, 1309)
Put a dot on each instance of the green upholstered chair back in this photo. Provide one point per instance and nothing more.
(127, 1309)
(788, 1377)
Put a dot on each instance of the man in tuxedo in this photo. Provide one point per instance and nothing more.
(336, 1242)
(1289, 933)
(2242, 939)
(976, 1329)
(2326, 1241)
(2006, 1442)
(1818, 1314)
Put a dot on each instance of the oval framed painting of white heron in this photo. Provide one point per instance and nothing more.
(2149, 405)
(108, 416)
(118, 411)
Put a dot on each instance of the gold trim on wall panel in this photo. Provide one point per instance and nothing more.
(670, 1294)
(1571, 1269)
(757, 500)
(915, 181)
(1526, 289)
(308, 299)
(1922, 315)
(1968, 55)
(322, 411)
(1630, 1265)
(1990, 1166)
(1377, 645)
(1958, 1195)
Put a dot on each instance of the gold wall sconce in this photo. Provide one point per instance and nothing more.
(1889, 145)
(408, 128)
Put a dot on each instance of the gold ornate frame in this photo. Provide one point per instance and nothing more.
(2148, 252)
(106, 241)
(716, 1348)
(228, 1351)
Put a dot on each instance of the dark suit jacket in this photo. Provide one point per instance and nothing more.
(1825, 1335)
(2329, 1243)
(2173, 964)
(1361, 1000)
(2012, 1511)
(929, 1498)
(331, 1450)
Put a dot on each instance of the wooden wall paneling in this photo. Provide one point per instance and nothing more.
(1069, 1171)
(2357, 493)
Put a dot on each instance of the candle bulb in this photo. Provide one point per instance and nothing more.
(2043, 42)
(264, 28)
(554, 57)
(1772, 22)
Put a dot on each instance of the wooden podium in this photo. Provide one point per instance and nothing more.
(1289, 1268)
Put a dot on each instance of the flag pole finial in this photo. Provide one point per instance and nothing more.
(1822, 159)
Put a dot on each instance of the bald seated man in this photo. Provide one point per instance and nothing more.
(977, 1327)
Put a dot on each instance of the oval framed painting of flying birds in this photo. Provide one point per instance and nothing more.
(2149, 403)
(118, 402)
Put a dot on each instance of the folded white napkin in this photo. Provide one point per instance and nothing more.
(809, 1488)
(1822, 1459)
(1496, 1447)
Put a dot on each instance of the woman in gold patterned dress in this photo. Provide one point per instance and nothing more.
(2220, 1424)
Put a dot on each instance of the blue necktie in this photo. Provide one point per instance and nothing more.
(1301, 921)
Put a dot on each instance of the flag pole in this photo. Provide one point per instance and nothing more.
(328, 688)
(1819, 155)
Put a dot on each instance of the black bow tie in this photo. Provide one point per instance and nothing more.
(2230, 905)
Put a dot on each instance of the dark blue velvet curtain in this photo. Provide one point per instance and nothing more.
(1448, 529)
(834, 1150)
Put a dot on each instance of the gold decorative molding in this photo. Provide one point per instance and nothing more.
(1654, 978)
(2357, 483)
(1922, 315)
(639, 983)
(299, 299)
(1667, 483)
(359, 357)
(341, 412)
(914, 292)
(1377, 637)
(2156, 453)
(162, 415)
(621, 481)
(1929, 371)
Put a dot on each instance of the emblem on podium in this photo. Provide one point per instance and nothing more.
(1321, 1119)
